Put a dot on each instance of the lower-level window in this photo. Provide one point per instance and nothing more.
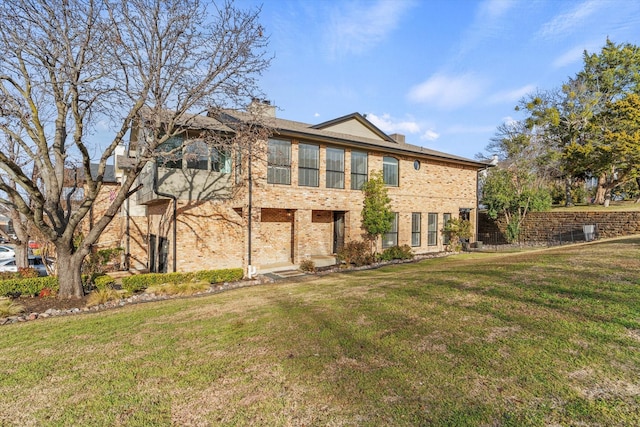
(390, 238)
(445, 219)
(416, 218)
(432, 229)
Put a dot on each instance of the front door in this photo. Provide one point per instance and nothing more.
(152, 253)
(338, 231)
(163, 254)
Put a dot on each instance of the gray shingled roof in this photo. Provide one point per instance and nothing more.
(283, 127)
(191, 121)
(109, 172)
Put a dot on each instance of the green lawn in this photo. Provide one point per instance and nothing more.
(615, 206)
(542, 338)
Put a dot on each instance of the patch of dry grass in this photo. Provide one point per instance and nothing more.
(544, 338)
(101, 296)
(9, 308)
(181, 289)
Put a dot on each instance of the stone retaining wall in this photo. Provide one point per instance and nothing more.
(565, 226)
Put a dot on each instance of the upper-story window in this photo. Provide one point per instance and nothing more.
(196, 154)
(176, 153)
(171, 152)
(308, 165)
(390, 171)
(238, 166)
(359, 169)
(220, 160)
(279, 162)
(335, 168)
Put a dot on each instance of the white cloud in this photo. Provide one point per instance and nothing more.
(574, 55)
(388, 124)
(102, 125)
(430, 135)
(489, 22)
(511, 96)
(509, 121)
(448, 92)
(569, 57)
(358, 26)
(408, 126)
(566, 23)
(494, 9)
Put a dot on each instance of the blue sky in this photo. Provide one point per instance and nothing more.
(445, 73)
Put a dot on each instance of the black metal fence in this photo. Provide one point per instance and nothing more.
(574, 233)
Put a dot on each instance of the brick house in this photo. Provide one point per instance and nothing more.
(297, 196)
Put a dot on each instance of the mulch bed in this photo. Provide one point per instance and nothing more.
(40, 305)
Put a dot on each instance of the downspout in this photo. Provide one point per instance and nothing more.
(175, 211)
(127, 250)
(478, 203)
(251, 271)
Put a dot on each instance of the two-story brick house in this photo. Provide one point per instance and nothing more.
(304, 195)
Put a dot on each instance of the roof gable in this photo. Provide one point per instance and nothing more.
(354, 124)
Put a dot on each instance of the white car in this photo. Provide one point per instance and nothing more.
(35, 262)
(6, 252)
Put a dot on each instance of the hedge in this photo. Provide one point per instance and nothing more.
(104, 282)
(220, 276)
(140, 282)
(31, 286)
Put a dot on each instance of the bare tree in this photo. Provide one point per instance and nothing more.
(20, 237)
(67, 67)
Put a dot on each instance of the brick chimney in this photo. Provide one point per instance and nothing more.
(397, 137)
(262, 107)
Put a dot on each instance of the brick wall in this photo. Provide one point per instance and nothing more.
(545, 226)
(110, 237)
(437, 187)
(210, 235)
(291, 222)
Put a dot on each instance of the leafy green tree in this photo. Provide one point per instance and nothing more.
(611, 76)
(560, 120)
(510, 195)
(456, 230)
(579, 124)
(377, 216)
(616, 151)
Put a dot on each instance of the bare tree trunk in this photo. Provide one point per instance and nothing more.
(567, 191)
(638, 184)
(600, 192)
(21, 240)
(69, 274)
(607, 196)
(21, 243)
(22, 254)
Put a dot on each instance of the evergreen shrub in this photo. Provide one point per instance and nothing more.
(397, 252)
(356, 252)
(29, 286)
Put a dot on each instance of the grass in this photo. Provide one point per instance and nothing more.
(542, 338)
(614, 206)
(9, 308)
